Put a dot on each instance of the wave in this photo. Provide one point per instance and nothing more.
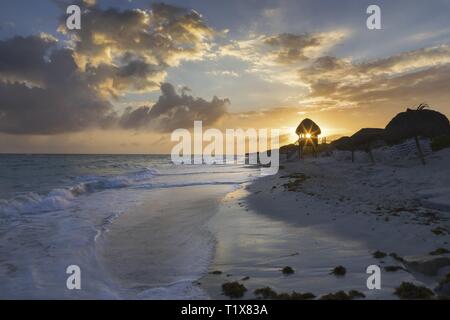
(61, 198)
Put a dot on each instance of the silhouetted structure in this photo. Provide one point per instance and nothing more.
(415, 123)
(308, 135)
(364, 140)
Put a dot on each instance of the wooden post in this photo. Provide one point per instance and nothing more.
(299, 149)
(419, 150)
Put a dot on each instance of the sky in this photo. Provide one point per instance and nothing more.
(137, 70)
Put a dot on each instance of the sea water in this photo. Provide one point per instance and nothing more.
(61, 210)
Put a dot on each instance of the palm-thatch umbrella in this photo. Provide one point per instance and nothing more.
(415, 123)
(343, 144)
(308, 132)
(364, 138)
(307, 126)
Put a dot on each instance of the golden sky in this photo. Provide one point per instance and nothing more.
(135, 72)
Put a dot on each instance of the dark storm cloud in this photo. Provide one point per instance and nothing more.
(173, 110)
(42, 91)
(46, 88)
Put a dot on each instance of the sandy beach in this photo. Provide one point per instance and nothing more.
(322, 212)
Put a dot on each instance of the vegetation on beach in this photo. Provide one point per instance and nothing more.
(439, 251)
(339, 271)
(379, 254)
(268, 293)
(295, 182)
(440, 142)
(393, 268)
(233, 289)
(342, 295)
(410, 291)
(216, 272)
(439, 231)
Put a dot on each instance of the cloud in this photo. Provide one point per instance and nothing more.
(276, 57)
(409, 77)
(173, 111)
(42, 90)
(132, 48)
(48, 87)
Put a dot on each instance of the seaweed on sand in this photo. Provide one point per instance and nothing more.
(439, 251)
(339, 271)
(410, 291)
(233, 289)
(287, 270)
(269, 293)
(342, 295)
(379, 254)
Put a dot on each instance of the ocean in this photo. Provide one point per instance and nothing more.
(136, 225)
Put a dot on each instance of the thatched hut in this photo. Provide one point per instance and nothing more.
(342, 144)
(308, 135)
(365, 139)
(415, 123)
(418, 122)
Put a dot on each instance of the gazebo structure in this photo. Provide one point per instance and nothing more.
(308, 135)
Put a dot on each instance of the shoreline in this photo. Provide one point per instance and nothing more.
(319, 214)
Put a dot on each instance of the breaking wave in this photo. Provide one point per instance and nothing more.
(61, 198)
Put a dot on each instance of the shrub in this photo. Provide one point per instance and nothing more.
(440, 142)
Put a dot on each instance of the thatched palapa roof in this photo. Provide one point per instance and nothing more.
(308, 126)
(364, 137)
(343, 144)
(418, 122)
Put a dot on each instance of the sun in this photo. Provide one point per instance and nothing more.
(308, 136)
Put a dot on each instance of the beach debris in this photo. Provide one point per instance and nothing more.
(234, 289)
(379, 254)
(439, 251)
(342, 295)
(216, 272)
(287, 270)
(339, 271)
(410, 291)
(268, 293)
